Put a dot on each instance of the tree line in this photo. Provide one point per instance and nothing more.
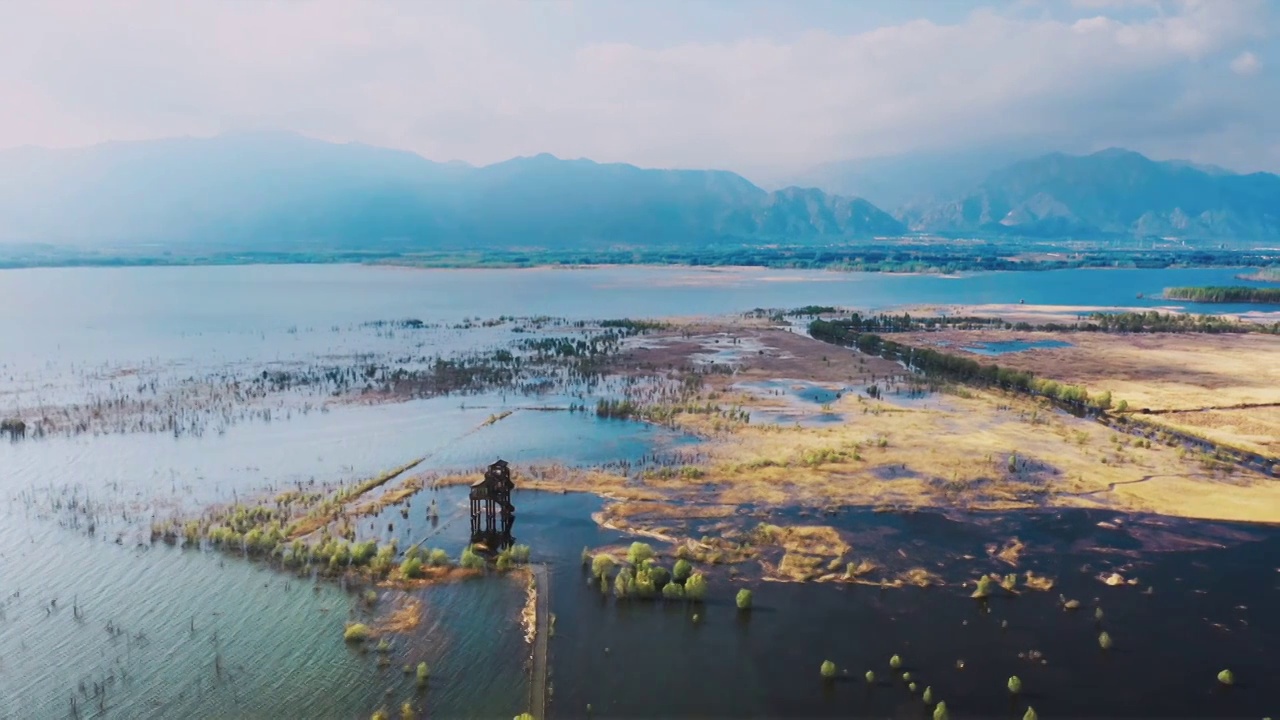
(1224, 294)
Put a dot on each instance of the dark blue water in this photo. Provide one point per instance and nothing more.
(1208, 610)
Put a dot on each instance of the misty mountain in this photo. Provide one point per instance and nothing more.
(1110, 194)
(894, 181)
(269, 190)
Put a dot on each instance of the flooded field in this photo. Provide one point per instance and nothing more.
(246, 385)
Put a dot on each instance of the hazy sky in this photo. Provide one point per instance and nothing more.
(759, 87)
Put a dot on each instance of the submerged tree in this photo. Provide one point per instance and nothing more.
(602, 566)
(695, 588)
(638, 553)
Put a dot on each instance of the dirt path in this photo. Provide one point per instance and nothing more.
(538, 677)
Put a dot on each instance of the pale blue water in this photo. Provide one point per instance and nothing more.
(73, 334)
(1004, 347)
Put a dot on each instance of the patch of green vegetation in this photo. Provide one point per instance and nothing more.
(357, 632)
(828, 669)
(744, 599)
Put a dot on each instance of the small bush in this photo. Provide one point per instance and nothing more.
(423, 674)
(370, 597)
(471, 560)
(1104, 641)
(520, 553)
(695, 588)
(504, 562)
(1015, 685)
(661, 576)
(744, 599)
(871, 677)
(1226, 677)
(638, 553)
(1030, 714)
(411, 568)
(911, 687)
(940, 712)
(895, 662)
(602, 565)
(437, 558)
(1097, 614)
(622, 583)
(384, 646)
(406, 711)
(928, 695)
(673, 591)
(357, 632)
(682, 570)
(380, 714)
(828, 669)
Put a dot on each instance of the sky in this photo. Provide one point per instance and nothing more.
(762, 88)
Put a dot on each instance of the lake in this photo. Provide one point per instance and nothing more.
(127, 629)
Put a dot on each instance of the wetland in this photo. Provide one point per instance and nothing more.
(243, 491)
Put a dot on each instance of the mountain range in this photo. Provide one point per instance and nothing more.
(280, 190)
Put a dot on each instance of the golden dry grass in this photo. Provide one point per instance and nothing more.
(954, 451)
(1201, 377)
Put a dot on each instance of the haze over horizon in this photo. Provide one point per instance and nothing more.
(764, 89)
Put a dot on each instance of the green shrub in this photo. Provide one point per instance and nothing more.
(622, 583)
(371, 597)
(384, 646)
(406, 711)
(911, 687)
(638, 553)
(673, 591)
(681, 571)
(1104, 641)
(828, 669)
(928, 695)
(363, 552)
(895, 662)
(940, 712)
(642, 584)
(356, 632)
(1015, 685)
(1097, 614)
(602, 565)
(660, 575)
(504, 562)
(437, 557)
(411, 568)
(695, 588)
(744, 599)
(380, 714)
(520, 553)
(871, 677)
(1226, 677)
(423, 674)
(1030, 714)
(471, 560)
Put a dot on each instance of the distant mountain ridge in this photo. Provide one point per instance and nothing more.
(1112, 193)
(280, 189)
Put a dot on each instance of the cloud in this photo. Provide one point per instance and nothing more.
(1246, 63)
(483, 81)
